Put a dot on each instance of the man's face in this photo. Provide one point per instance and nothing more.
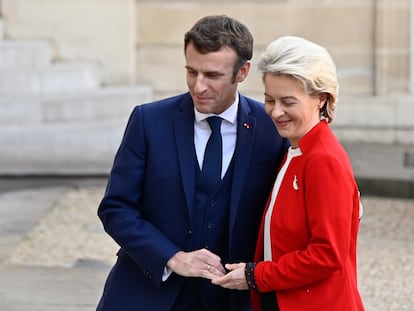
(210, 78)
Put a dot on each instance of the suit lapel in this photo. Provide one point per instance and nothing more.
(246, 126)
(184, 137)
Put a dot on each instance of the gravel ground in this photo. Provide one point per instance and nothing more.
(386, 254)
(71, 232)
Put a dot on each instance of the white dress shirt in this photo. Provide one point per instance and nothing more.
(202, 133)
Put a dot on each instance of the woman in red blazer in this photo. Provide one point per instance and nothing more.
(306, 250)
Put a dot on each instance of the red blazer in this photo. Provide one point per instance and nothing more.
(313, 230)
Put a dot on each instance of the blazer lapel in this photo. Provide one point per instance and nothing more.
(246, 126)
(184, 137)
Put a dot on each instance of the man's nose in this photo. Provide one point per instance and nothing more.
(200, 84)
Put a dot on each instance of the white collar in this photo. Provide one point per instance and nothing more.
(294, 152)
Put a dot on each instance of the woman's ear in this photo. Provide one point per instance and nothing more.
(323, 97)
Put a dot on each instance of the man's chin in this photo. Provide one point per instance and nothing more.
(203, 108)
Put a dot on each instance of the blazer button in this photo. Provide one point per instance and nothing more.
(212, 203)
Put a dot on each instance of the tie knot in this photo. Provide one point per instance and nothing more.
(214, 123)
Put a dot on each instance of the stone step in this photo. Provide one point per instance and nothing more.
(374, 119)
(76, 148)
(106, 103)
(1, 29)
(16, 54)
(100, 104)
(57, 78)
(381, 161)
(16, 109)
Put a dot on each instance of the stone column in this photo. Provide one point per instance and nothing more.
(392, 47)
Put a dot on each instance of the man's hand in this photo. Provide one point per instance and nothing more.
(235, 279)
(199, 263)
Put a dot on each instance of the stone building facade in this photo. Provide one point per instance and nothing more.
(139, 43)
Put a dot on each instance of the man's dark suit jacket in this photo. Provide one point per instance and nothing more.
(147, 205)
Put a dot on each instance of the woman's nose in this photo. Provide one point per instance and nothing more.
(277, 111)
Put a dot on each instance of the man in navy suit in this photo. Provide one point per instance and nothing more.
(174, 230)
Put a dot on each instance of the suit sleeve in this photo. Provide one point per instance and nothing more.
(120, 210)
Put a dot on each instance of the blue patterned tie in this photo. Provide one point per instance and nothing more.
(213, 154)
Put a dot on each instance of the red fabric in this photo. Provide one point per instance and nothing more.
(313, 231)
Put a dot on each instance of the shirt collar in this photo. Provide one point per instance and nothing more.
(230, 114)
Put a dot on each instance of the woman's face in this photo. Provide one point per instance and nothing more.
(292, 110)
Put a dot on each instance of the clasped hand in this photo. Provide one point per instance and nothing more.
(199, 263)
(205, 264)
(234, 279)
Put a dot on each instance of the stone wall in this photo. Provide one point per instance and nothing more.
(369, 41)
(100, 31)
(140, 42)
(346, 28)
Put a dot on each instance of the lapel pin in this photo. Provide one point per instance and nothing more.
(246, 125)
(295, 183)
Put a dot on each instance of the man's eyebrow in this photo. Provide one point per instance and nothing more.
(207, 72)
(214, 72)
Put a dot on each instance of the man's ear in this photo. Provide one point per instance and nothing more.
(244, 71)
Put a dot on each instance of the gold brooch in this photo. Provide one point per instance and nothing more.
(295, 183)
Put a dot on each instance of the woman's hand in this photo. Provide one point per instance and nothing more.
(235, 279)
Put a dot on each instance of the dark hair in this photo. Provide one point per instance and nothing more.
(211, 33)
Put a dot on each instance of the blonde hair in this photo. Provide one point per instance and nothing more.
(307, 62)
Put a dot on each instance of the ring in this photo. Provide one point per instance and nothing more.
(208, 268)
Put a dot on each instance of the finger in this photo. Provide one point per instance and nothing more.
(206, 254)
(217, 271)
(232, 266)
(225, 281)
(211, 272)
(228, 281)
(219, 280)
(213, 262)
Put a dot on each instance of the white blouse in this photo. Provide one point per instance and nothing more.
(267, 244)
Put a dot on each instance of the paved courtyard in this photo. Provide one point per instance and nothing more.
(54, 254)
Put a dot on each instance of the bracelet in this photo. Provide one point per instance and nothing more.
(249, 274)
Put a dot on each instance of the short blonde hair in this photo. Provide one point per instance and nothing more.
(307, 62)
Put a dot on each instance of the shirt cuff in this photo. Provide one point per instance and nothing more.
(166, 274)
